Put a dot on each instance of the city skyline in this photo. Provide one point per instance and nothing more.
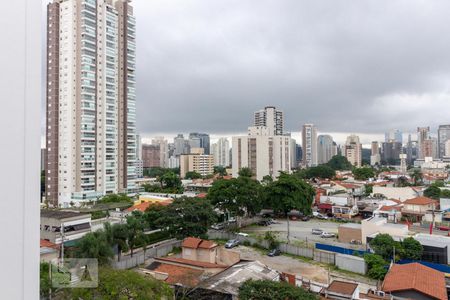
(324, 73)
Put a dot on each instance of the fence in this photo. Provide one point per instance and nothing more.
(158, 250)
(341, 250)
(351, 263)
(323, 253)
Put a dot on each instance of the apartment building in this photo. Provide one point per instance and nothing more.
(221, 152)
(263, 153)
(309, 137)
(353, 150)
(326, 149)
(270, 117)
(196, 161)
(443, 137)
(91, 124)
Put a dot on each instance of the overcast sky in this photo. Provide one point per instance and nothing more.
(347, 66)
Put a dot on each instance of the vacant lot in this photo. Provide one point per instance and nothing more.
(308, 269)
(300, 232)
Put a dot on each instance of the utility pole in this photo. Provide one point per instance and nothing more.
(63, 238)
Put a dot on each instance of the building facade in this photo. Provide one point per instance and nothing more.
(151, 156)
(309, 146)
(391, 152)
(443, 137)
(91, 124)
(196, 161)
(394, 135)
(200, 140)
(163, 151)
(423, 134)
(326, 149)
(353, 150)
(221, 152)
(375, 157)
(262, 153)
(271, 118)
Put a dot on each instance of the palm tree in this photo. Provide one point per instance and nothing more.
(417, 176)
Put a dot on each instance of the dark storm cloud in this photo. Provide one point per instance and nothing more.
(347, 66)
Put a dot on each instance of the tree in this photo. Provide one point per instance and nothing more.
(192, 175)
(187, 217)
(445, 194)
(171, 182)
(240, 196)
(368, 189)
(417, 176)
(245, 172)
(383, 245)
(119, 285)
(220, 170)
(288, 193)
(272, 290)
(411, 249)
(135, 228)
(266, 180)
(339, 162)
(115, 198)
(117, 235)
(402, 181)
(376, 266)
(322, 171)
(44, 280)
(95, 245)
(363, 173)
(439, 183)
(432, 192)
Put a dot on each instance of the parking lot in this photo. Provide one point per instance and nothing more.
(300, 232)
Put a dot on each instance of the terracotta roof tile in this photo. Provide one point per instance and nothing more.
(420, 201)
(143, 206)
(177, 274)
(342, 287)
(195, 243)
(189, 262)
(417, 277)
(391, 207)
(48, 244)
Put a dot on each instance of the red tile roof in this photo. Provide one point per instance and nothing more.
(420, 201)
(416, 277)
(349, 185)
(202, 195)
(342, 287)
(391, 207)
(189, 262)
(143, 206)
(48, 244)
(195, 243)
(177, 274)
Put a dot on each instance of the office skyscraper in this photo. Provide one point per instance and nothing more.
(271, 118)
(443, 137)
(91, 124)
(393, 135)
(309, 139)
(200, 140)
(423, 134)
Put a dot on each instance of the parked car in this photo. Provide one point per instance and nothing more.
(317, 231)
(218, 226)
(242, 234)
(305, 218)
(274, 252)
(231, 244)
(355, 242)
(327, 235)
(321, 217)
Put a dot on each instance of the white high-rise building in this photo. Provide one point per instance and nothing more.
(221, 152)
(447, 148)
(271, 118)
(263, 153)
(375, 157)
(353, 150)
(443, 137)
(91, 116)
(326, 149)
(309, 146)
(163, 150)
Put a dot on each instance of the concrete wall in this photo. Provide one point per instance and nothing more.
(324, 257)
(227, 257)
(351, 263)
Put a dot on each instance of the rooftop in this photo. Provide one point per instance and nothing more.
(420, 201)
(177, 274)
(351, 225)
(62, 214)
(188, 262)
(416, 277)
(342, 287)
(143, 206)
(196, 243)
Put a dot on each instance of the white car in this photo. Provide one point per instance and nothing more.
(242, 234)
(327, 235)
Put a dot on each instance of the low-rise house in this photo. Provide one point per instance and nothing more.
(393, 213)
(57, 225)
(399, 193)
(48, 251)
(200, 259)
(341, 290)
(436, 248)
(347, 212)
(414, 209)
(415, 281)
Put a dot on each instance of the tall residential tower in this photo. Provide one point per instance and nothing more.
(309, 138)
(91, 124)
(271, 118)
